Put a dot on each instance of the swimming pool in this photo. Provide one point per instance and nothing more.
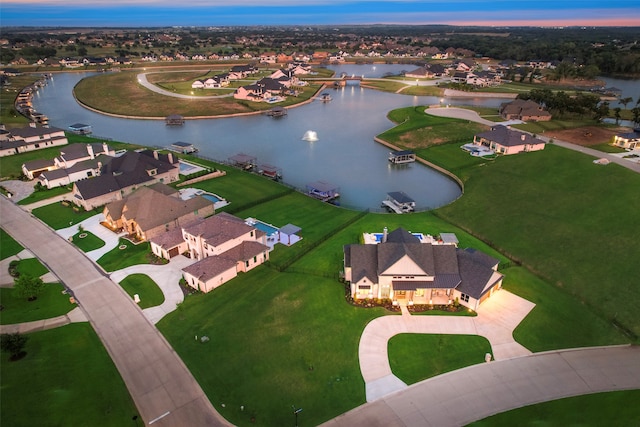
(262, 226)
(378, 236)
(188, 168)
(212, 197)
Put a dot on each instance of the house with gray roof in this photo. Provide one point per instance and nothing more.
(504, 140)
(628, 140)
(525, 110)
(409, 271)
(30, 138)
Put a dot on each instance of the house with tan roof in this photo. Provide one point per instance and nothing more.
(504, 140)
(153, 210)
(525, 110)
(223, 244)
(417, 270)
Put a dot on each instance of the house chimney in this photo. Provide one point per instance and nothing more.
(155, 154)
(170, 157)
(90, 152)
(523, 137)
(32, 124)
(385, 231)
(105, 148)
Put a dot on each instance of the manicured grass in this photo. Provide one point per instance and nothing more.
(275, 340)
(558, 320)
(117, 259)
(416, 357)
(8, 114)
(32, 267)
(563, 219)
(417, 130)
(608, 148)
(8, 246)
(58, 216)
(141, 284)
(44, 194)
(423, 91)
(50, 303)
(11, 166)
(66, 378)
(553, 124)
(87, 241)
(616, 408)
(386, 86)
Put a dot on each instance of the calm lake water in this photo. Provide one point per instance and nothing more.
(344, 155)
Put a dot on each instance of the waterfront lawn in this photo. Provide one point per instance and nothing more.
(58, 216)
(8, 246)
(422, 91)
(616, 408)
(66, 378)
(8, 114)
(416, 357)
(565, 220)
(31, 267)
(275, 340)
(117, 259)
(50, 303)
(317, 220)
(87, 243)
(143, 285)
(453, 158)
(416, 129)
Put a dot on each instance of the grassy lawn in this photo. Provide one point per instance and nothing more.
(416, 357)
(558, 320)
(77, 383)
(564, 220)
(50, 303)
(11, 166)
(553, 124)
(423, 91)
(87, 241)
(8, 246)
(275, 340)
(416, 130)
(608, 148)
(616, 408)
(58, 216)
(104, 92)
(8, 114)
(117, 258)
(32, 267)
(141, 284)
(44, 194)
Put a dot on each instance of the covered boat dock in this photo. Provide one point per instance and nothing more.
(243, 161)
(322, 190)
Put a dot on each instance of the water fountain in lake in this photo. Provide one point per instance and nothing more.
(310, 136)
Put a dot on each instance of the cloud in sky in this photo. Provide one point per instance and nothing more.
(316, 12)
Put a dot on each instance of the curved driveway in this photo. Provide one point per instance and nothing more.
(163, 389)
(142, 79)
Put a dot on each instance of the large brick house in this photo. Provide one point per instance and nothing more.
(408, 270)
(527, 111)
(504, 140)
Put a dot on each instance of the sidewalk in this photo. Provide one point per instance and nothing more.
(75, 315)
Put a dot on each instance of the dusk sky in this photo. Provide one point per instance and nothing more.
(123, 13)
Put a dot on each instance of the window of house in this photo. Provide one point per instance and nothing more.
(419, 292)
(246, 264)
(464, 297)
(255, 258)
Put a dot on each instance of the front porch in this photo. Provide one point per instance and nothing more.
(423, 296)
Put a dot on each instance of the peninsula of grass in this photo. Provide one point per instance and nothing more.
(416, 357)
(87, 241)
(106, 91)
(142, 285)
(66, 378)
(274, 339)
(8, 246)
(127, 254)
(616, 408)
(50, 303)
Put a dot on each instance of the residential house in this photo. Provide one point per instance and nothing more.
(75, 162)
(482, 79)
(224, 246)
(30, 138)
(630, 140)
(154, 210)
(528, 111)
(121, 176)
(261, 90)
(503, 140)
(410, 270)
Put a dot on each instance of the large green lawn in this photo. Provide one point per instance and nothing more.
(275, 340)
(66, 379)
(50, 303)
(8, 246)
(125, 255)
(143, 286)
(58, 216)
(564, 219)
(618, 408)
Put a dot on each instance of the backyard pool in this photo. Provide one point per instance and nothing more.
(189, 193)
(271, 230)
(188, 168)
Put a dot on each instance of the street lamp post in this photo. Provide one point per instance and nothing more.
(296, 412)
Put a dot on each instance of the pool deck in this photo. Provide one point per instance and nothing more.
(188, 193)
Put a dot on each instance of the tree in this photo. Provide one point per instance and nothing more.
(28, 287)
(625, 101)
(636, 115)
(601, 111)
(617, 114)
(14, 345)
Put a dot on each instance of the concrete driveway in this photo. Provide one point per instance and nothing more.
(93, 225)
(497, 317)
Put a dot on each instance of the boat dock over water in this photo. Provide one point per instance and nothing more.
(276, 112)
(399, 202)
(324, 191)
(402, 157)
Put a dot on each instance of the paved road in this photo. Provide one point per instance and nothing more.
(161, 386)
(460, 397)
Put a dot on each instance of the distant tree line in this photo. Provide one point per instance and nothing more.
(562, 104)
